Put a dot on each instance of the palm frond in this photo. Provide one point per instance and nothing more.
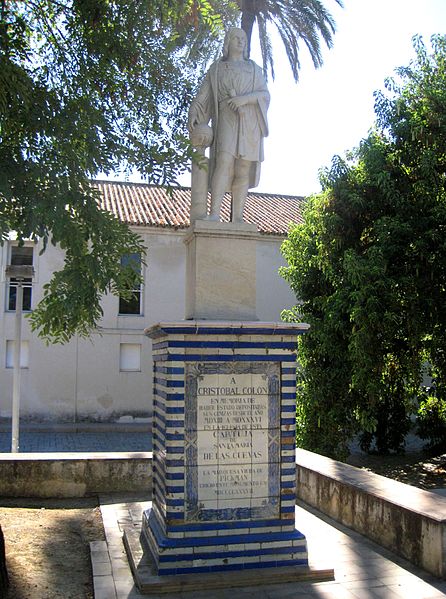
(298, 22)
(265, 46)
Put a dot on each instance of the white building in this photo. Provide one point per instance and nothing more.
(109, 376)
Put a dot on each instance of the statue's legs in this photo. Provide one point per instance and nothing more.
(240, 187)
(221, 182)
(199, 187)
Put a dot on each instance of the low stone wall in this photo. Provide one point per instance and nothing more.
(408, 521)
(74, 474)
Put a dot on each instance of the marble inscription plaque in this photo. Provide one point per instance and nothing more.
(232, 437)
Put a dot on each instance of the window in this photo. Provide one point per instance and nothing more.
(132, 305)
(130, 357)
(20, 256)
(24, 354)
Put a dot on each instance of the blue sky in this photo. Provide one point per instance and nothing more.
(331, 109)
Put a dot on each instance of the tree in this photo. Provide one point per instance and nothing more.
(88, 87)
(369, 265)
(297, 21)
(4, 579)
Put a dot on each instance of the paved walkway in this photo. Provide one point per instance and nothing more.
(98, 441)
(363, 570)
(41, 438)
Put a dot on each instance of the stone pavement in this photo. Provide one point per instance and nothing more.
(363, 570)
(44, 441)
(42, 438)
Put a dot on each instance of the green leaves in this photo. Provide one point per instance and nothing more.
(94, 242)
(368, 265)
(90, 87)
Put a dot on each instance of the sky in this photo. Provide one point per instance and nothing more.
(330, 109)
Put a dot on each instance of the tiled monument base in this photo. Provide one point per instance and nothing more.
(149, 582)
(238, 549)
(224, 447)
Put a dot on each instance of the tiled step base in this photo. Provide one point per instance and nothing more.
(148, 582)
(223, 553)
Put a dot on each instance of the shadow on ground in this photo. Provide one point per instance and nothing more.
(47, 546)
(419, 469)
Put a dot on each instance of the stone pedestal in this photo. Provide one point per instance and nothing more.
(221, 271)
(224, 473)
(224, 447)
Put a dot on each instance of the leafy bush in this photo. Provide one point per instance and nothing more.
(368, 266)
(431, 419)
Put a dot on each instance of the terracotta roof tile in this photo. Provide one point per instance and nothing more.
(148, 205)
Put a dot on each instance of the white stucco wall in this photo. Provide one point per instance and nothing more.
(273, 292)
(82, 380)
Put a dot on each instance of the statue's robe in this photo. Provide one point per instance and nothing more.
(240, 132)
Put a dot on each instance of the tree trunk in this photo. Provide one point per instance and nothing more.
(248, 17)
(4, 581)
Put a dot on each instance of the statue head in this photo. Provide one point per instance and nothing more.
(229, 34)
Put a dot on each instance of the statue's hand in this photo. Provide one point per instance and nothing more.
(238, 101)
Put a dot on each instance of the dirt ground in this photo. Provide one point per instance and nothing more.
(47, 546)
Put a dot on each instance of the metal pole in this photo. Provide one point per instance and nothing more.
(16, 375)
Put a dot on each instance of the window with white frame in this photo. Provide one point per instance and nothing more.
(20, 256)
(134, 304)
(24, 354)
(130, 357)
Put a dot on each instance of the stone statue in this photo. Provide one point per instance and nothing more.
(234, 97)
